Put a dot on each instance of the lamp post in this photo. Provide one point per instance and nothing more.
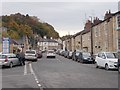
(91, 36)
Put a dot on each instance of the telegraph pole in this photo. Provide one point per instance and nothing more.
(91, 36)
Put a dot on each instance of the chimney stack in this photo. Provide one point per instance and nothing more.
(108, 14)
(88, 25)
(96, 20)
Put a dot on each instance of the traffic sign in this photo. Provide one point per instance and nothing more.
(6, 45)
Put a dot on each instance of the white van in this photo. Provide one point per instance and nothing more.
(31, 55)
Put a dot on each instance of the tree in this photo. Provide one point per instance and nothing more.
(25, 30)
(13, 34)
(25, 25)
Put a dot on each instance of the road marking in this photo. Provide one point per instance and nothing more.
(59, 60)
(25, 69)
(31, 70)
(39, 85)
(35, 77)
(37, 81)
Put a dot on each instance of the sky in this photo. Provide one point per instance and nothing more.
(66, 17)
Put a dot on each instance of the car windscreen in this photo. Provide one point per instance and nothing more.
(116, 55)
(50, 51)
(111, 55)
(30, 52)
(86, 55)
(10, 55)
(2, 56)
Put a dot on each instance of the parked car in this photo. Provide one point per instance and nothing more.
(39, 54)
(75, 55)
(66, 54)
(108, 60)
(62, 52)
(94, 57)
(70, 54)
(84, 57)
(119, 61)
(58, 51)
(119, 64)
(43, 51)
(9, 60)
(31, 55)
(51, 53)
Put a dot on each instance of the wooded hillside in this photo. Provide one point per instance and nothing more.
(19, 25)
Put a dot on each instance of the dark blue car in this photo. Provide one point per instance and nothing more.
(85, 57)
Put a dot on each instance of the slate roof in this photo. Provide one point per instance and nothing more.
(48, 40)
(107, 18)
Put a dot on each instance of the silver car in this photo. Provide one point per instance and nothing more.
(31, 55)
(51, 53)
(9, 60)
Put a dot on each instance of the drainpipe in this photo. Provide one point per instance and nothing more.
(91, 37)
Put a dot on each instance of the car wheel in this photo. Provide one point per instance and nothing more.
(11, 65)
(35, 60)
(106, 67)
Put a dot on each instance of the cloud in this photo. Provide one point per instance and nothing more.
(64, 16)
(60, 0)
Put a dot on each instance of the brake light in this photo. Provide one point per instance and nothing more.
(6, 59)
